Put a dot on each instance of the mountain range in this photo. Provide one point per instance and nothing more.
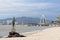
(22, 19)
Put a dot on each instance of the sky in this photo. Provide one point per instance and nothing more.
(29, 8)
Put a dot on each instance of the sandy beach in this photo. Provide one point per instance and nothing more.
(47, 34)
(5, 29)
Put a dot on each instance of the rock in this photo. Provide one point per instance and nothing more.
(15, 34)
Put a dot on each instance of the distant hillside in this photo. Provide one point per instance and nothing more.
(23, 19)
(27, 20)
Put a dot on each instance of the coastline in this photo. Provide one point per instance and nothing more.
(47, 34)
(5, 29)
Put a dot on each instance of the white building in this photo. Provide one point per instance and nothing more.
(9, 22)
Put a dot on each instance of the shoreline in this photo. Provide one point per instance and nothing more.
(47, 34)
(5, 29)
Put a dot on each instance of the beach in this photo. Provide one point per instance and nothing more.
(47, 33)
(22, 29)
(52, 33)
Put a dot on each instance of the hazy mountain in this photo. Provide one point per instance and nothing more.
(23, 19)
(27, 20)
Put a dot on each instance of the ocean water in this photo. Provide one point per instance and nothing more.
(5, 29)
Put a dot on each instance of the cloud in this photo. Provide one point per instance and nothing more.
(12, 5)
(28, 7)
